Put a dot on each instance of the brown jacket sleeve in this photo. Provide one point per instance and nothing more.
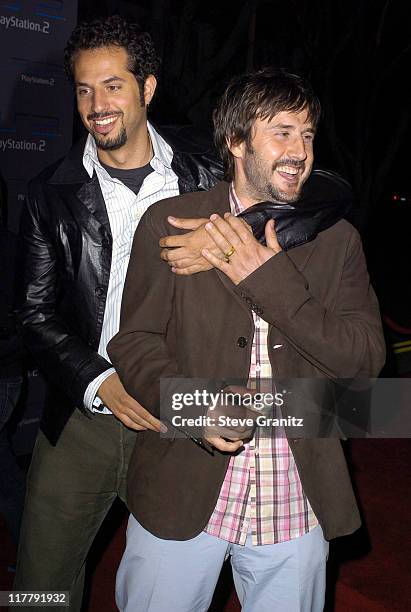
(345, 341)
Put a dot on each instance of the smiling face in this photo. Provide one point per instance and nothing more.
(279, 160)
(109, 99)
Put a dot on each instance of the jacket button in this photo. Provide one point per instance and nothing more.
(242, 342)
(99, 291)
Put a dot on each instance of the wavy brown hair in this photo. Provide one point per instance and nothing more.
(258, 95)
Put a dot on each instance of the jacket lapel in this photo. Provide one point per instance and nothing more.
(71, 176)
(90, 195)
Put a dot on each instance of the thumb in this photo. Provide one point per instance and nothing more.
(187, 224)
(271, 236)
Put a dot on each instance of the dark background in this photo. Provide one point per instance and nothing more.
(355, 52)
(357, 55)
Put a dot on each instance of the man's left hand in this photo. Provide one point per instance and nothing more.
(242, 253)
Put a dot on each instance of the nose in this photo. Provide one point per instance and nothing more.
(297, 149)
(99, 101)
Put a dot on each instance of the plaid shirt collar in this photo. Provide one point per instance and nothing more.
(235, 204)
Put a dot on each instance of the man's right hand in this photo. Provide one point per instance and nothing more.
(182, 252)
(126, 408)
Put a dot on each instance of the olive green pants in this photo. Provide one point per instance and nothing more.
(70, 489)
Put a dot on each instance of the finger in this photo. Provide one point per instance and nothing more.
(164, 254)
(174, 254)
(179, 240)
(188, 224)
(243, 221)
(226, 230)
(129, 422)
(216, 262)
(242, 229)
(148, 425)
(185, 263)
(145, 418)
(136, 421)
(154, 425)
(194, 269)
(220, 241)
(240, 432)
(271, 236)
(223, 445)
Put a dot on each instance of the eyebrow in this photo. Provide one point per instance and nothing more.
(284, 126)
(105, 82)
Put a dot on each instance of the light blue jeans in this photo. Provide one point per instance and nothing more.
(158, 575)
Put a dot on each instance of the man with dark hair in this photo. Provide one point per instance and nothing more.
(77, 230)
(142, 60)
(295, 303)
(263, 98)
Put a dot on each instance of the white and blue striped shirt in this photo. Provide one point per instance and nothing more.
(125, 209)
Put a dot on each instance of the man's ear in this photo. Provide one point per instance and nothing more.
(150, 85)
(236, 150)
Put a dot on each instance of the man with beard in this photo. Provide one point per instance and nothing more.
(264, 308)
(77, 230)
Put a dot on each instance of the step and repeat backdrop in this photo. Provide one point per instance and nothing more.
(36, 123)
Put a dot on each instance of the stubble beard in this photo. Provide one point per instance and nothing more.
(108, 144)
(111, 144)
(259, 181)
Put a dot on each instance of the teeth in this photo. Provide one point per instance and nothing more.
(288, 169)
(106, 121)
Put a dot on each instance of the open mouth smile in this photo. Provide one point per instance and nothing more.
(105, 121)
(104, 125)
(288, 173)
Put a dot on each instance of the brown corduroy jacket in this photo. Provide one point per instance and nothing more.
(323, 320)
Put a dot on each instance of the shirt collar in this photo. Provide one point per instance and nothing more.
(162, 153)
(90, 157)
(235, 205)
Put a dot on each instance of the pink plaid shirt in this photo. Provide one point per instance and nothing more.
(262, 491)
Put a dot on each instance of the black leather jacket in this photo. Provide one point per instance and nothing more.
(65, 260)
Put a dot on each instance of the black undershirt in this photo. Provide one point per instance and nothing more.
(133, 178)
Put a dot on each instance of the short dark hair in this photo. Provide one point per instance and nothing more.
(114, 31)
(258, 95)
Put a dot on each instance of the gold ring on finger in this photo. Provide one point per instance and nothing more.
(228, 253)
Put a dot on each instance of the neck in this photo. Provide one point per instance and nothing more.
(243, 194)
(129, 156)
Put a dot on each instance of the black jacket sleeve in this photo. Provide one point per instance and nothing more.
(67, 361)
